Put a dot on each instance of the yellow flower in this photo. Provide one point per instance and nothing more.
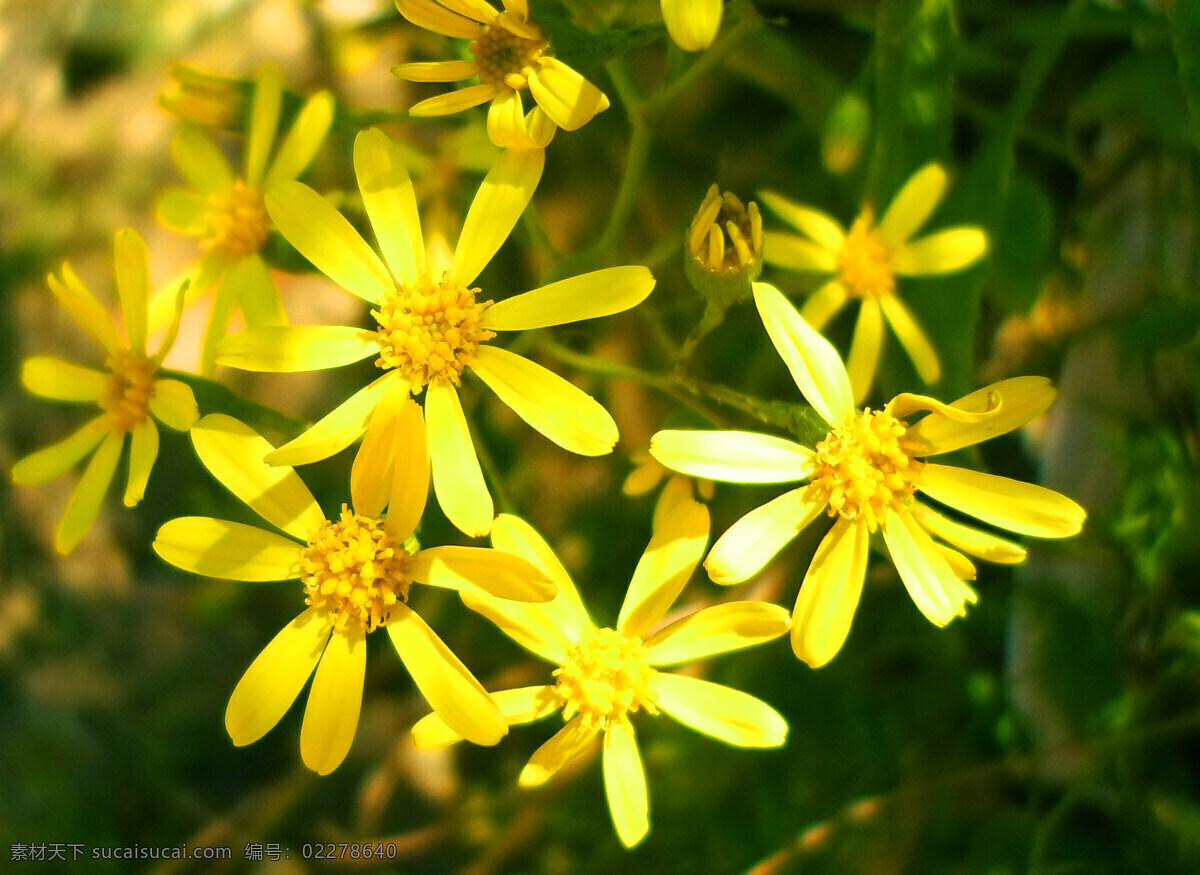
(430, 327)
(205, 99)
(866, 473)
(357, 572)
(131, 395)
(605, 675)
(865, 261)
(692, 24)
(226, 212)
(508, 54)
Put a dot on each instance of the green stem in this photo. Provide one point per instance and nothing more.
(714, 315)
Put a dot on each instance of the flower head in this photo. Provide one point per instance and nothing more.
(606, 675)
(509, 54)
(431, 326)
(865, 262)
(868, 473)
(130, 394)
(724, 247)
(225, 210)
(356, 570)
(199, 97)
(692, 24)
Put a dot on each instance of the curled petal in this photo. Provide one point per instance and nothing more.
(1020, 400)
(569, 99)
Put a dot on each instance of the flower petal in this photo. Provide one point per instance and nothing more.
(258, 298)
(433, 16)
(410, 477)
(1009, 504)
(823, 304)
(502, 197)
(292, 348)
(625, 783)
(454, 101)
(436, 71)
(865, 348)
(665, 568)
(599, 293)
(566, 744)
(818, 226)
(88, 494)
(264, 120)
(830, 592)
(981, 544)
(521, 705)
(479, 10)
(927, 576)
(732, 456)
(143, 450)
(336, 430)
(1020, 400)
(371, 474)
(387, 193)
(234, 453)
(726, 714)
(335, 700)
(227, 550)
(482, 570)
(183, 210)
(717, 629)
(449, 688)
(913, 205)
(692, 24)
(943, 252)
(557, 408)
(750, 543)
(506, 121)
(793, 252)
(174, 405)
(564, 95)
(303, 141)
(48, 376)
(87, 312)
(133, 282)
(49, 462)
(201, 162)
(275, 678)
(457, 477)
(913, 338)
(323, 236)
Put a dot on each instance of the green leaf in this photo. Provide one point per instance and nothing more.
(1021, 247)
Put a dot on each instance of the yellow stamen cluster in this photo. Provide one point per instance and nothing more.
(864, 266)
(127, 394)
(240, 224)
(504, 57)
(726, 235)
(430, 333)
(862, 468)
(605, 677)
(356, 570)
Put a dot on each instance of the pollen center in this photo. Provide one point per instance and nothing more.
(127, 394)
(864, 266)
(503, 57)
(430, 333)
(356, 570)
(862, 468)
(605, 677)
(239, 220)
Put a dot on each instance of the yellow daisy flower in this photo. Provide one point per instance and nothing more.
(605, 675)
(226, 212)
(866, 473)
(430, 327)
(357, 573)
(130, 394)
(865, 261)
(509, 54)
(692, 24)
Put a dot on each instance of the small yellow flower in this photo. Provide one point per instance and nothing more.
(357, 570)
(866, 473)
(430, 327)
(131, 395)
(865, 262)
(509, 54)
(692, 24)
(199, 97)
(226, 211)
(605, 675)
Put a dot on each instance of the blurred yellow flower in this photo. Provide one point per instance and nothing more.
(866, 473)
(131, 395)
(226, 212)
(357, 572)
(508, 54)
(865, 261)
(430, 327)
(605, 675)
(205, 99)
(692, 24)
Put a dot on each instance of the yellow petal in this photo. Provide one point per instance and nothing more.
(943, 252)
(143, 450)
(259, 299)
(387, 193)
(291, 348)
(87, 312)
(793, 252)
(664, 569)
(502, 197)
(981, 544)
(133, 282)
(49, 376)
(200, 277)
(865, 348)
(183, 210)
(678, 490)
(506, 121)
(913, 204)
(913, 338)
(234, 453)
(1009, 504)
(275, 678)
(89, 493)
(227, 550)
(558, 409)
(819, 227)
(595, 294)
(823, 304)
(457, 477)
(692, 24)
(813, 362)
(49, 462)
(174, 405)
(410, 478)
(449, 688)
(482, 570)
(830, 592)
(566, 744)
(433, 16)
(717, 629)
(372, 472)
(962, 567)
(201, 162)
(521, 705)
(224, 305)
(303, 141)
(927, 576)
(564, 95)
(625, 784)
(264, 119)
(323, 236)
(726, 714)
(334, 702)
(454, 101)
(750, 543)
(479, 10)
(1020, 400)
(436, 71)
(733, 456)
(337, 429)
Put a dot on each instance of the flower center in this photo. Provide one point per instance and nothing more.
(863, 469)
(606, 676)
(430, 333)
(356, 570)
(239, 220)
(726, 235)
(864, 266)
(127, 395)
(504, 57)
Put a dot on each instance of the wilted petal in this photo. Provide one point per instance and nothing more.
(334, 702)
(726, 714)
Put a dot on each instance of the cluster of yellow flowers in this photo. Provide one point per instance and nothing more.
(431, 324)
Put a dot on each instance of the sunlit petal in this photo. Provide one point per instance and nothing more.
(435, 17)
(482, 570)
(717, 629)
(564, 95)
(334, 702)
(830, 592)
(927, 576)
(625, 784)
(734, 456)
(566, 744)
(502, 197)
(292, 348)
(750, 543)
(1009, 504)
(410, 477)
(726, 714)
(88, 494)
(913, 204)
(143, 450)
(337, 429)
(371, 474)
(506, 121)
(457, 478)
(50, 377)
(227, 550)
(599, 293)
(978, 543)
(387, 193)
(692, 24)
(521, 705)
(665, 567)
